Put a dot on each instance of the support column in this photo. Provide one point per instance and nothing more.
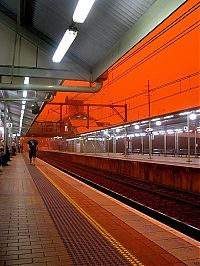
(188, 138)
(114, 144)
(195, 142)
(5, 128)
(125, 142)
(142, 144)
(150, 142)
(177, 142)
(165, 144)
(95, 143)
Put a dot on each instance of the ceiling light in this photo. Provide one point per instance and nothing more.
(82, 10)
(155, 133)
(137, 126)
(155, 119)
(23, 102)
(184, 113)
(158, 123)
(23, 106)
(178, 130)
(24, 94)
(192, 116)
(64, 44)
(168, 116)
(26, 80)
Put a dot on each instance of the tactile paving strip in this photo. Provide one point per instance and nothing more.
(84, 243)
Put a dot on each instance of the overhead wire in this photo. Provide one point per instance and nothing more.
(155, 52)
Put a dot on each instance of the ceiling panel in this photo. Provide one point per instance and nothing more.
(104, 26)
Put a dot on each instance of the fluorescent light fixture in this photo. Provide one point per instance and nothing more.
(170, 131)
(143, 122)
(64, 45)
(26, 80)
(23, 102)
(23, 106)
(118, 127)
(118, 130)
(24, 94)
(82, 10)
(168, 116)
(155, 119)
(178, 130)
(158, 123)
(185, 113)
(155, 133)
(192, 116)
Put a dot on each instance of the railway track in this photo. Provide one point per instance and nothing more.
(175, 207)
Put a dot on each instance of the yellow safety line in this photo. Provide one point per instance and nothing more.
(122, 250)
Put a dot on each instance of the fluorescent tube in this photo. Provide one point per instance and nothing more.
(82, 9)
(64, 45)
(24, 94)
(26, 80)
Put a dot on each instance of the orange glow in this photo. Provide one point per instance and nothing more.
(168, 53)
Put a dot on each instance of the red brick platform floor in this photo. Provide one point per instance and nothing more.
(27, 233)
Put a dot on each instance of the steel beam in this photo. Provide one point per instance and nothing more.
(39, 72)
(81, 73)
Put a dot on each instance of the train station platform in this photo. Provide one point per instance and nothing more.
(50, 218)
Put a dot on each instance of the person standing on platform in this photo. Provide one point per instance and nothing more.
(32, 143)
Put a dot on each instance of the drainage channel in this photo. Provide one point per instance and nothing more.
(84, 243)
